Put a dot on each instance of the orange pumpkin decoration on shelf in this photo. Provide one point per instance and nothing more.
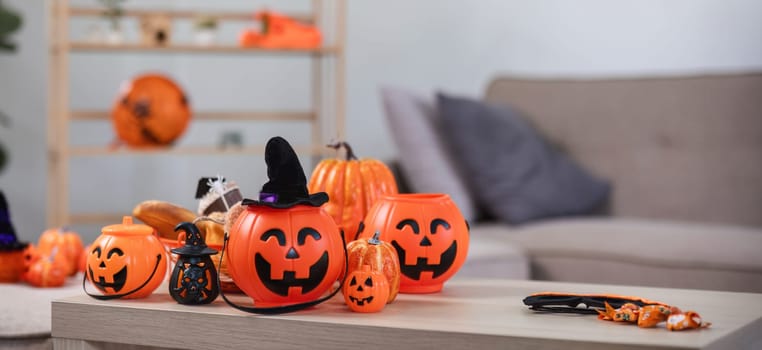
(429, 233)
(68, 243)
(353, 186)
(126, 261)
(379, 256)
(366, 290)
(151, 111)
(48, 271)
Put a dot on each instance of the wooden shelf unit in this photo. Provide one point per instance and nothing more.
(60, 115)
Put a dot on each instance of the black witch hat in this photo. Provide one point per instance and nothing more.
(194, 243)
(288, 185)
(8, 240)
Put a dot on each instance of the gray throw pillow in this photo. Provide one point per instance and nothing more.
(513, 173)
(422, 157)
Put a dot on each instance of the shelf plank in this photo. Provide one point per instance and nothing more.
(83, 115)
(95, 218)
(189, 14)
(183, 47)
(83, 151)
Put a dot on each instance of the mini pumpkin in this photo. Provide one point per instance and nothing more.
(366, 290)
(380, 256)
(126, 261)
(353, 186)
(48, 271)
(151, 111)
(68, 243)
(429, 234)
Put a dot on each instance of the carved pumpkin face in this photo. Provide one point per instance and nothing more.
(126, 258)
(282, 256)
(429, 234)
(151, 111)
(366, 290)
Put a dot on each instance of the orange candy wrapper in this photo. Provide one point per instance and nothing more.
(651, 315)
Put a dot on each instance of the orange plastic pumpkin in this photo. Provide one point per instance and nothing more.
(48, 271)
(126, 261)
(379, 256)
(68, 243)
(284, 256)
(353, 186)
(31, 256)
(429, 233)
(82, 262)
(151, 111)
(365, 290)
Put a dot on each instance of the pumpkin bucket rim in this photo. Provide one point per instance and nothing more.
(416, 197)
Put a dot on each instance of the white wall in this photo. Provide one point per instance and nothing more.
(424, 45)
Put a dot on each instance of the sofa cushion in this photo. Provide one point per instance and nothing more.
(422, 157)
(675, 147)
(515, 175)
(637, 252)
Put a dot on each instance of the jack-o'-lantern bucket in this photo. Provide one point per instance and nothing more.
(125, 261)
(283, 250)
(429, 233)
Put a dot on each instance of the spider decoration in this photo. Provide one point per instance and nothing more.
(194, 277)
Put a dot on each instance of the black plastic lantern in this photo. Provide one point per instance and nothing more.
(194, 278)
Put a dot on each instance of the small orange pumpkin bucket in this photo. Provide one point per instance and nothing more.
(125, 261)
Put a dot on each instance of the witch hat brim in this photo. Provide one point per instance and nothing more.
(288, 184)
(194, 243)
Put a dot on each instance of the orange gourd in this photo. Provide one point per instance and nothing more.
(151, 111)
(68, 243)
(48, 271)
(282, 256)
(353, 186)
(429, 234)
(126, 261)
(379, 256)
(365, 290)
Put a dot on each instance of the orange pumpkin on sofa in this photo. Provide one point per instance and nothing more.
(68, 243)
(353, 186)
(48, 271)
(126, 261)
(429, 233)
(151, 111)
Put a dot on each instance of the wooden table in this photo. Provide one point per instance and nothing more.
(467, 314)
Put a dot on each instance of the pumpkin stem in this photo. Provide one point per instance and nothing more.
(350, 155)
(374, 240)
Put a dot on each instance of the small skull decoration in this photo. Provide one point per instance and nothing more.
(194, 278)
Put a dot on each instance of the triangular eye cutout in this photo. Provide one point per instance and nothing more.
(353, 282)
(369, 282)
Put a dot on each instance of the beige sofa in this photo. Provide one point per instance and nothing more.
(684, 157)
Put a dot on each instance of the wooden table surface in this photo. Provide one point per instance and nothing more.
(474, 314)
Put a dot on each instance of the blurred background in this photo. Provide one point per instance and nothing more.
(424, 45)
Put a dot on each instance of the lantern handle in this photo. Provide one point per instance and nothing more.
(279, 309)
(117, 296)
